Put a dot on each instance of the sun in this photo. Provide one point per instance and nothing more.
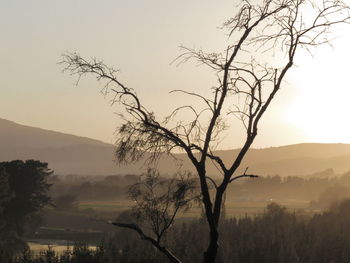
(321, 109)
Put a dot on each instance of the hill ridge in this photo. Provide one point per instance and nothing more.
(8, 127)
(73, 154)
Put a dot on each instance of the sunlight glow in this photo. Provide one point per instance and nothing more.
(322, 108)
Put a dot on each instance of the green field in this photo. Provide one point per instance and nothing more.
(109, 206)
(233, 208)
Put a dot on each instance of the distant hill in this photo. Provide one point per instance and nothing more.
(69, 154)
(65, 153)
(298, 159)
(14, 135)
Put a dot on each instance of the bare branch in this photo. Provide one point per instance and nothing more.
(154, 242)
(243, 175)
(212, 181)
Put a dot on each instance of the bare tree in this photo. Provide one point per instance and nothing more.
(245, 88)
(157, 202)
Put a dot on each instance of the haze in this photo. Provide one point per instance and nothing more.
(141, 38)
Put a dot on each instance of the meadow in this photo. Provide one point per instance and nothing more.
(232, 208)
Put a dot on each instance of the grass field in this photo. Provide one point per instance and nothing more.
(110, 206)
(233, 208)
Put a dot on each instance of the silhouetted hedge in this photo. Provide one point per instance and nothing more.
(274, 236)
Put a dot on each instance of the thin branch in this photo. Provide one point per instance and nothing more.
(212, 181)
(154, 242)
(243, 175)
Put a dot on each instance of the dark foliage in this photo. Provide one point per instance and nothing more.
(276, 187)
(24, 192)
(276, 236)
(113, 187)
(65, 202)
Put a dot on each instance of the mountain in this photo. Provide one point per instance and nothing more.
(69, 154)
(65, 153)
(298, 159)
(13, 135)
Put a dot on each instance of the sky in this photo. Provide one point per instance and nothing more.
(142, 38)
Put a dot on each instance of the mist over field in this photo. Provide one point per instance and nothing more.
(305, 180)
(68, 154)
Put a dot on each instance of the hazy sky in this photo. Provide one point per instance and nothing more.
(141, 38)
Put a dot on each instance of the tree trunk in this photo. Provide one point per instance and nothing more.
(212, 250)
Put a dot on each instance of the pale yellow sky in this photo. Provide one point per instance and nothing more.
(141, 38)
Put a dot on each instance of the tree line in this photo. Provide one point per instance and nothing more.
(322, 190)
(24, 192)
(277, 235)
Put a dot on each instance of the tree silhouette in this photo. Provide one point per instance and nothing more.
(246, 86)
(24, 192)
(157, 202)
